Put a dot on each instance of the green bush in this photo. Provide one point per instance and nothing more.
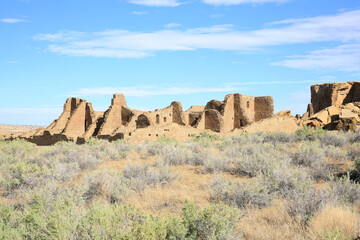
(310, 133)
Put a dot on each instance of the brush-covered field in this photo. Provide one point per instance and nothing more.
(253, 186)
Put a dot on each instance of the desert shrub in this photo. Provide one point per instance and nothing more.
(343, 191)
(249, 138)
(188, 153)
(174, 155)
(333, 234)
(336, 153)
(355, 138)
(50, 220)
(196, 154)
(310, 133)
(215, 163)
(106, 184)
(282, 180)
(105, 150)
(109, 222)
(353, 152)
(311, 155)
(150, 148)
(22, 176)
(281, 137)
(167, 140)
(213, 222)
(141, 176)
(337, 139)
(254, 160)
(240, 194)
(304, 201)
(10, 223)
(206, 139)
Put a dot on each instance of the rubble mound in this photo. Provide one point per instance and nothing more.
(334, 106)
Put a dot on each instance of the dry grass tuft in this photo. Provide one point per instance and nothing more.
(334, 218)
(272, 223)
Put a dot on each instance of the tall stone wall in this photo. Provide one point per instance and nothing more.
(264, 108)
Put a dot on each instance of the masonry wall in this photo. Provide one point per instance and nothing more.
(264, 108)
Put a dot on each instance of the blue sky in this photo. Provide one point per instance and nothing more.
(157, 51)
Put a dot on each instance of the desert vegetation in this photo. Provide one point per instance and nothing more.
(250, 186)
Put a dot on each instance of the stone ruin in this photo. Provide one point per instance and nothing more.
(334, 106)
(79, 121)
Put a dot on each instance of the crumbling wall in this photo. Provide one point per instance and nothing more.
(213, 120)
(329, 94)
(245, 111)
(59, 124)
(264, 108)
(76, 125)
(142, 121)
(177, 113)
(113, 116)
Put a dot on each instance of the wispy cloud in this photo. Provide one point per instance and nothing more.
(341, 27)
(12, 20)
(156, 3)
(139, 12)
(143, 91)
(13, 62)
(172, 25)
(326, 79)
(342, 58)
(237, 2)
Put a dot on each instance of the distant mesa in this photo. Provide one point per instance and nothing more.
(79, 121)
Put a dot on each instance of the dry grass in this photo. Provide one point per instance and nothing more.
(192, 185)
(345, 219)
(272, 223)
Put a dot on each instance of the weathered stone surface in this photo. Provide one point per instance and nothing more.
(213, 120)
(113, 116)
(334, 105)
(264, 108)
(334, 94)
(284, 113)
(328, 94)
(324, 118)
(275, 123)
(346, 113)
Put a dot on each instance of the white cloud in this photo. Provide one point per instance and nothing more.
(344, 58)
(139, 12)
(237, 2)
(142, 91)
(172, 25)
(342, 27)
(12, 20)
(156, 3)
